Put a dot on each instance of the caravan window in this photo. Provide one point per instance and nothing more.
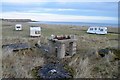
(101, 29)
(37, 32)
(95, 28)
(91, 28)
(18, 26)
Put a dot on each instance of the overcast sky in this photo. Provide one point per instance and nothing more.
(62, 10)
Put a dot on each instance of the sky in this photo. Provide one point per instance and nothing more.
(96, 11)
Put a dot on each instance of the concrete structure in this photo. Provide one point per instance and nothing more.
(17, 46)
(62, 46)
(35, 31)
(97, 30)
(18, 27)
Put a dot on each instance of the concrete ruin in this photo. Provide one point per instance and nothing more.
(17, 46)
(62, 46)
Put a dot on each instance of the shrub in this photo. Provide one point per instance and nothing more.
(34, 72)
(70, 70)
(116, 52)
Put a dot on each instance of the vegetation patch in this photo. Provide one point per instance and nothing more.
(103, 52)
(34, 72)
(70, 69)
(116, 52)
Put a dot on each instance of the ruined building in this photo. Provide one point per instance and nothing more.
(62, 45)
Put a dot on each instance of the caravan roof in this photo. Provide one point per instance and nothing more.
(35, 28)
(18, 25)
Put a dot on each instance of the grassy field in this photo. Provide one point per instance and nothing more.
(8, 32)
(86, 45)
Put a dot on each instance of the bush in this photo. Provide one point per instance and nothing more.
(34, 72)
(105, 51)
(116, 52)
(70, 70)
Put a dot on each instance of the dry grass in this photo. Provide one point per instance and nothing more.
(18, 64)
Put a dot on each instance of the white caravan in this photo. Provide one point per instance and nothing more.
(97, 30)
(35, 31)
(18, 27)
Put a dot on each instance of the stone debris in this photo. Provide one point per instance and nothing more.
(17, 46)
(53, 71)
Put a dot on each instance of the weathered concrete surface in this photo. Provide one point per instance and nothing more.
(51, 47)
(61, 51)
(72, 48)
(17, 46)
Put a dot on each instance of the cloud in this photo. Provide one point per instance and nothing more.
(23, 1)
(57, 17)
(61, 1)
(50, 9)
(66, 9)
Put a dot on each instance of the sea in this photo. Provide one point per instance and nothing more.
(77, 23)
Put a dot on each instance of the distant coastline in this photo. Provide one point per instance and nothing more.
(76, 23)
(62, 23)
(18, 20)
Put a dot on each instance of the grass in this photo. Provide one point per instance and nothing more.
(34, 72)
(70, 70)
(47, 30)
(115, 51)
(85, 42)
